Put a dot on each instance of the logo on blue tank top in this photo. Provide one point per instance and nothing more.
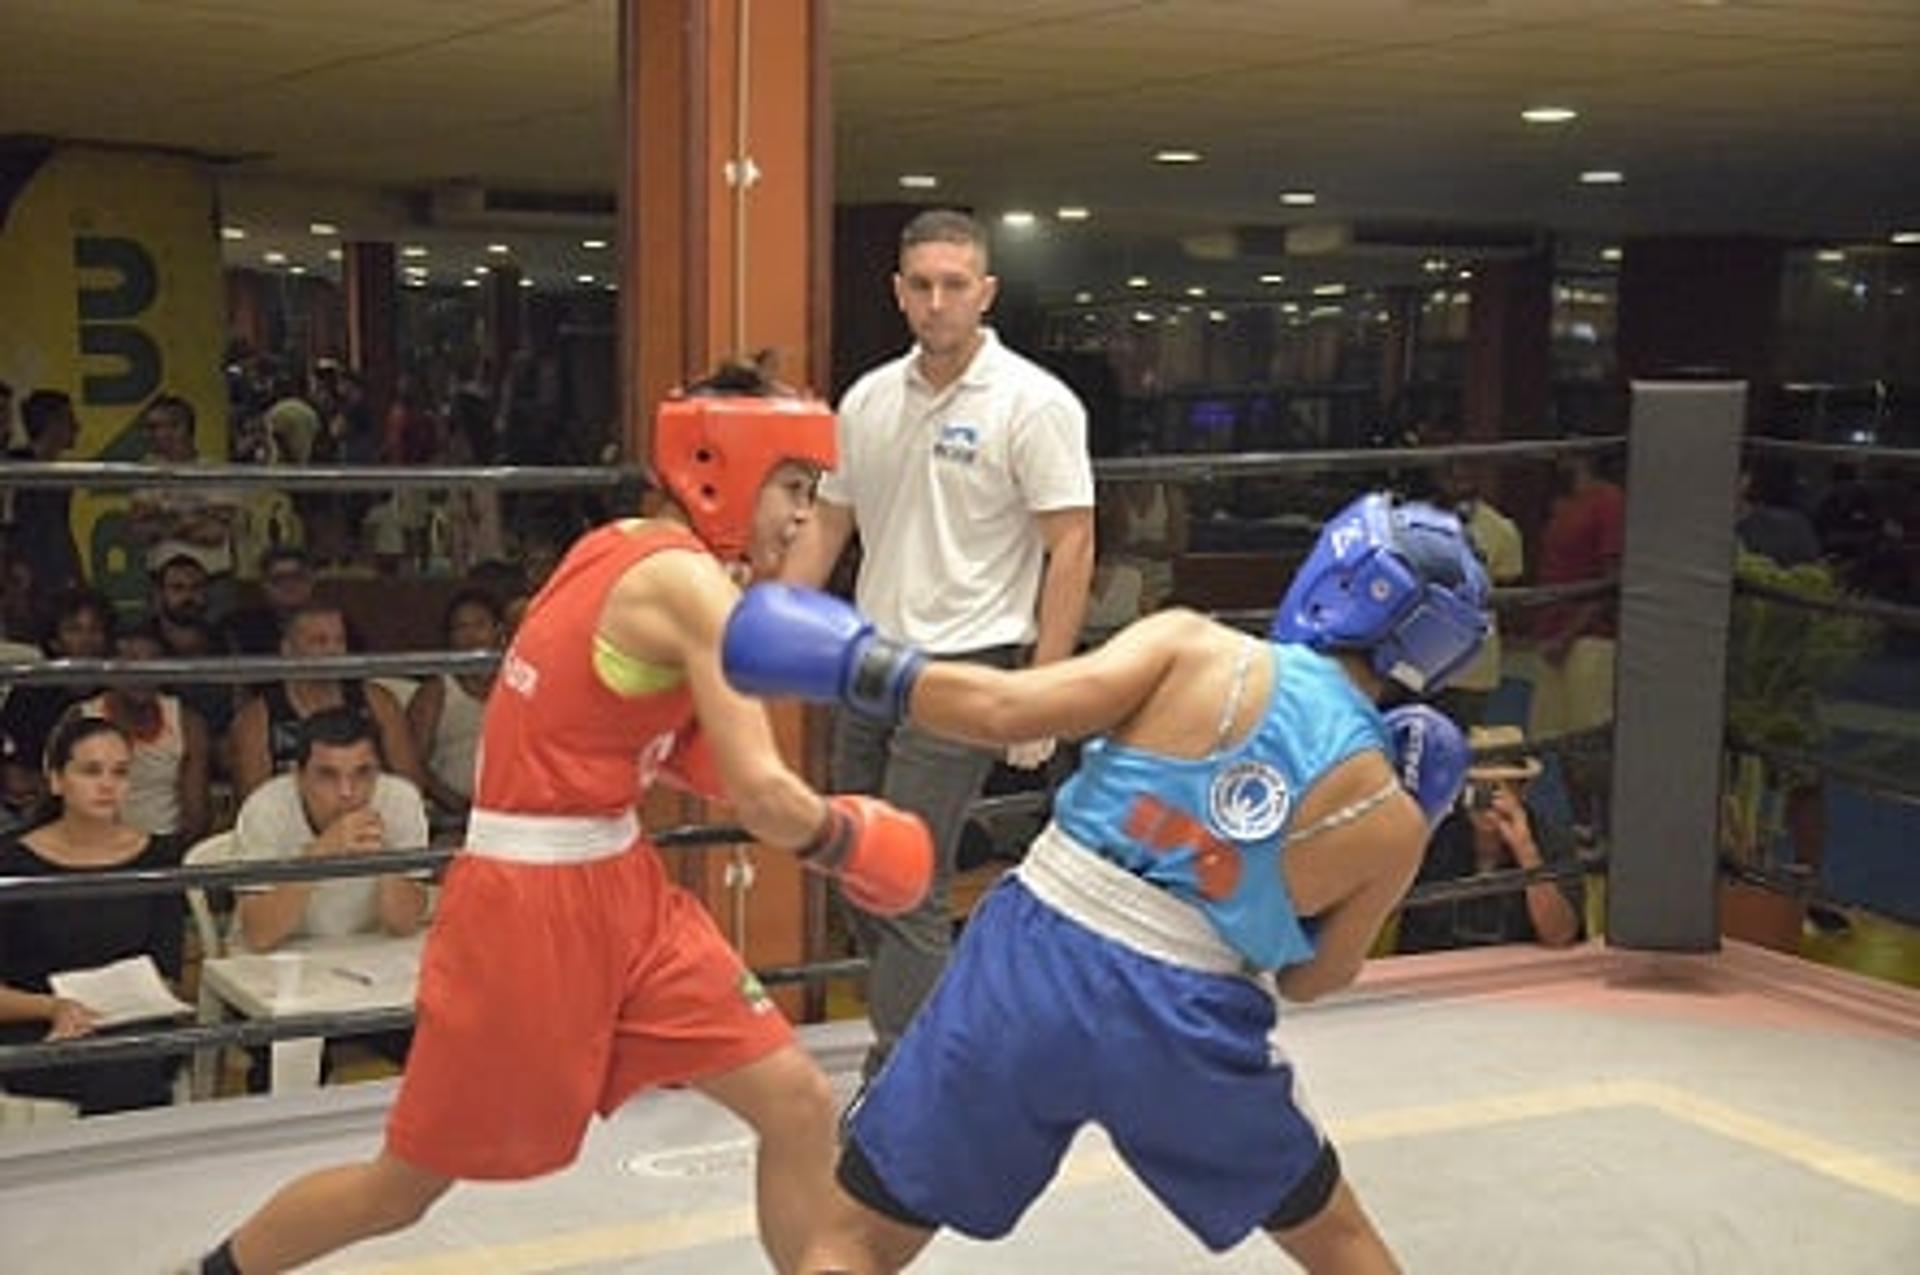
(1249, 801)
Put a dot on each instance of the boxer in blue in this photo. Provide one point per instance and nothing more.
(1242, 823)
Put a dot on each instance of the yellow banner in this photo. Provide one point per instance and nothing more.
(111, 290)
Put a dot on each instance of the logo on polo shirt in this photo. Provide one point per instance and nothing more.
(1249, 801)
(958, 441)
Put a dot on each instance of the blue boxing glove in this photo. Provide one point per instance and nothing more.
(785, 640)
(1430, 755)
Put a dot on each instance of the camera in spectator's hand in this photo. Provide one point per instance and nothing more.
(1478, 795)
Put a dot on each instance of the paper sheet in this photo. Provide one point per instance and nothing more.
(128, 991)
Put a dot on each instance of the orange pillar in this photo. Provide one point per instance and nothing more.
(725, 222)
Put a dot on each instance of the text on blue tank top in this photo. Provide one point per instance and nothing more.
(1212, 830)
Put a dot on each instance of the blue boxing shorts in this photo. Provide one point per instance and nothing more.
(1074, 997)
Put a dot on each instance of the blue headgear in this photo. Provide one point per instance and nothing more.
(1400, 582)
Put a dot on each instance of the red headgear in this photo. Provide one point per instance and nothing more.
(713, 454)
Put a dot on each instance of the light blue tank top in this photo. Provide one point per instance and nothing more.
(1212, 830)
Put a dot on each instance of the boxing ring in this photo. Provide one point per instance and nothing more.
(1662, 1104)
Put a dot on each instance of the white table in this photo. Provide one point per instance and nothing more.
(307, 976)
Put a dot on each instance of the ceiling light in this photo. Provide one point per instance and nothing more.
(414, 269)
(593, 245)
(1299, 198)
(1217, 316)
(322, 228)
(611, 287)
(334, 254)
(1904, 237)
(1831, 256)
(296, 269)
(232, 232)
(1196, 291)
(413, 250)
(1289, 307)
(1176, 157)
(1329, 289)
(483, 269)
(1549, 114)
(469, 283)
(1464, 274)
(274, 258)
(1609, 254)
(1017, 219)
(1082, 298)
(1273, 278)
(1143, 316)
(1072, 213)
(416, 281)
(498, 249)
(1602, 177)
(1138, 281)
(919, 181)
(526, 283)
(1435, 265)
(583, 278)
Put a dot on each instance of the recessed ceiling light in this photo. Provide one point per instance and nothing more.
(526, 283)
(1138, 281)
(483, 269)
(322, 228)
(583, 278)
(919, 181)
(414, 269)
(1464, 274)
(1831, 256)
(1273, 278)
(1143, 316)
(1196, 291)
(1906, 236)
(1602, 177)
(232, 232)
(1072, 213)
(593, 245)
(498, 249)
(611, 287)
(1435, 265)
(1329, 289)
(1609, 254)
(1176, 156)
(1082, 298)
(1217, 316)
(296, 269)
(416, 281)
(274, 258)
(413, 250)
(469, 283)
(1549, 114)
(1018, 219)
(334, 254)
(1299, 198)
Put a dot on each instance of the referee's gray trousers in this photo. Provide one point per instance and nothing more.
(937, 779)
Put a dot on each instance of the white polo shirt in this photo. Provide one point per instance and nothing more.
(273, 825)
(944, 485)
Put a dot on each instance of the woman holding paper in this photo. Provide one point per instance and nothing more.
(44, 942)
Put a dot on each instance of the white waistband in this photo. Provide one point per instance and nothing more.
(1112, 902)
(522, 838)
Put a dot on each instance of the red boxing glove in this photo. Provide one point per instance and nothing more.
(881, 855)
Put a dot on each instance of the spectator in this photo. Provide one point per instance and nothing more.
(266, 731)
(1771, 522)
(83, 624)
(87, 767)
(1497, 540)
(338, 801)
(178, 599)
(286, 585)
(167, 784)
(1497, 828)
(445, 712)
(42, 533)
(964, 468)
(191, 520)
(1573, 691)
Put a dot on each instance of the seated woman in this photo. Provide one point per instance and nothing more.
(88, 764)
(445, 712)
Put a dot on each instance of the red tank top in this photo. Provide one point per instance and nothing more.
(556, 740)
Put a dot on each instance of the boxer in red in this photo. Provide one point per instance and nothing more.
(564, 972)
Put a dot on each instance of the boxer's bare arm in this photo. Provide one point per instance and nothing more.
(668, 610)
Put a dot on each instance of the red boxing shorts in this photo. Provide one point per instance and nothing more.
(549, 992)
